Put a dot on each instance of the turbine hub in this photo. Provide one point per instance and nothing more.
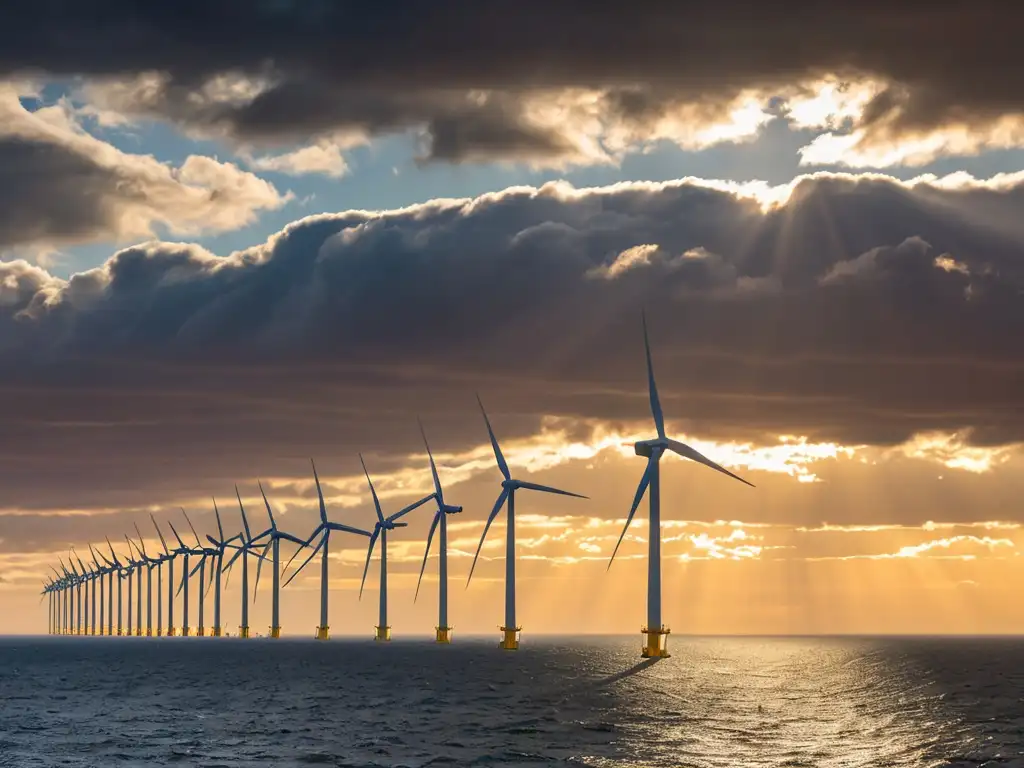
(510, 484)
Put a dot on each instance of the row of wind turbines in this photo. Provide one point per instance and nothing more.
(77, 588)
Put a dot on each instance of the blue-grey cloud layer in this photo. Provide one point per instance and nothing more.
(830, 317)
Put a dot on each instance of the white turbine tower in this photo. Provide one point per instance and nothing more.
(656, 633)
(509, 632)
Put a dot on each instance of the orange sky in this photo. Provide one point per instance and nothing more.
(917, 538)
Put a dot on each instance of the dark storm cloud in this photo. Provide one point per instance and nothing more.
(862, 311)
(386, 65)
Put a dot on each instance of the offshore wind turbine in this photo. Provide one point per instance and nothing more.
(509, 486)
(84, 579)
(220, 544)
(150, 563)
(244, 550)
(656, 633)
(380, 530)
(325, 528)
(444, 631)
(120, 573)
(101, 571)
(111, 569)
(168, 558)
(197, 550)
(184, 550)
(139, 564)
(274, 541)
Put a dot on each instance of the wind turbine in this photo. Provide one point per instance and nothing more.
(198, 550)
(184, 550)
(110, 569)
(509, 486)
(139, 564)
(444, 632)
(150, 563)
(130, 567)
(84, 578)
(120, 574)
(101, 571)
(656, 633)
(380, 530)
(168, 558)
(274, 541)
(220, 545)
(69, 602)
(244, 550)
(325, 528)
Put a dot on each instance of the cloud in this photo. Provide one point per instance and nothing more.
(174, 363)
(535, 83)
(59, 184)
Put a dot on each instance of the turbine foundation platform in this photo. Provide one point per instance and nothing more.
(444, 634)
(655, 643)
(275, 632)
(323, 633)
(186, 631)
(159, 632)
(172, 632)
(119, 633)
(201, 632)
(215, 632)
(149, 632)
(510, 638)
(138, 633)
(383, 634)
(243, 632)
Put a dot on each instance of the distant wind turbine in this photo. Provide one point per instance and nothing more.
(444, 631)
(656, 633)
(380, 530)
(274, 537)
(323, 632)
(244, 550)
(220, 544)
(509, 486)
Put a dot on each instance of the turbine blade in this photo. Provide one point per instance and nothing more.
(376, 501)
(659, 418)
(220, 528)
(198, 566)
(187, 520)
(181, 584)
(406, 510)
(433, 467)
(640, 490)
(306, 543)
(689, 453)
(426, 552)
(305, 562)
(238, 553)
(346, 529)
(259, 567)
(490, 519)
(245, 523)
(549, 489)
(175, 532)
(498, 456)
(319, 494)
(369, 554)
(273, 524)
(142, 541)
(159, 533)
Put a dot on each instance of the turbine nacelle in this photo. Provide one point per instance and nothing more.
(451, 509)
(649, 447)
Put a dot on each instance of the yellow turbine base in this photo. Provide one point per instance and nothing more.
(171, 632)
(275, 632)
(138, 633)
(149, 632)
(510, 638)
(201, 632)
(383, 634)
(159, 632)
(243, 632)
(186, 631)
(323, 633)
(656, 643)
(119, 633)
(444, 634)
(215, 632)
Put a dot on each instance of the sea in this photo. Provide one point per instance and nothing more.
(730, 702)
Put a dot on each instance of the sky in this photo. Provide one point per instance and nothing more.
(238, 236)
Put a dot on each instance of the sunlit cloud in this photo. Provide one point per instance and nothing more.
(946, 549)
(952, 450)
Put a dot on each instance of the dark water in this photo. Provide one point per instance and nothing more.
(716, 702)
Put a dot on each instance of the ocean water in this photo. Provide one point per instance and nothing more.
(717, 702)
